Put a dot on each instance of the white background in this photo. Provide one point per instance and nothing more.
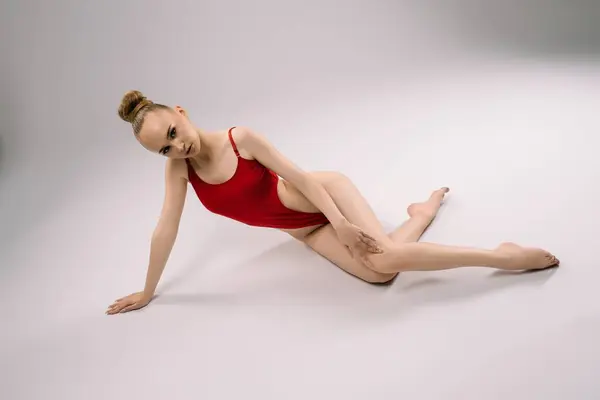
(497, 100)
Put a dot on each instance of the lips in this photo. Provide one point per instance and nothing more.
(189, 149)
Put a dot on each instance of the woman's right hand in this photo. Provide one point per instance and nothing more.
(129, 303)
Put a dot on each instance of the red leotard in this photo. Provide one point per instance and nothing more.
(250, 197)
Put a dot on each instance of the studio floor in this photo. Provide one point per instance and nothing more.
(244, 313)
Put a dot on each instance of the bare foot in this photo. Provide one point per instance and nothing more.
(526, 258)
(429, 208)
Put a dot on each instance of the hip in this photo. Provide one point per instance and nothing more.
(292, 198)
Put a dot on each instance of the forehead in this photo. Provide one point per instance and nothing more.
(153, 134)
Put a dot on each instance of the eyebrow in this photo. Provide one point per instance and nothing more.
(161, 151)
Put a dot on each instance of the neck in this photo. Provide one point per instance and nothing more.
(206, 152)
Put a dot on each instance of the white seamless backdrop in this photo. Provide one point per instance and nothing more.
(497, 100)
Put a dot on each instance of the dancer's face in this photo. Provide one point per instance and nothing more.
(169, 132)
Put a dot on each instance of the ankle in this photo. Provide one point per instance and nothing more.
(501, 259)
(423, 217)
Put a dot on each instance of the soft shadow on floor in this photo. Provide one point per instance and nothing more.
(291, 276)
(428, 290)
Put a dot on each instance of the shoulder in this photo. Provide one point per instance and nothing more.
(176, 168)
(242, 133)
(249, 142)
(246, 137)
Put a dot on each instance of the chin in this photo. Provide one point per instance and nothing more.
(195, 149)
(192, 153)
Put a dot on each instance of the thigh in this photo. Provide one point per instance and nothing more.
(352, 204)
(325, 242)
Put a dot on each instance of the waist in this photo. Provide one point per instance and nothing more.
(291, 197)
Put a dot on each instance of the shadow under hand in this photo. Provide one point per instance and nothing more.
(290, 276)
(284, 274)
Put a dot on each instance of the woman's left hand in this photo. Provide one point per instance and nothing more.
(357, 241)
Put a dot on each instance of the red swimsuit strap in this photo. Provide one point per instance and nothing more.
(237, 153)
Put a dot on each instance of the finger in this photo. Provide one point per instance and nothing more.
(368, 240)
(372, 247)
(129, 308)
(116, 307)
(365, 234)
(375, 249)
(365, 240)
(135, 306)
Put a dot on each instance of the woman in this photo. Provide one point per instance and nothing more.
(236, 173)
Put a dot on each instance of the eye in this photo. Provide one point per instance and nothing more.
(166, 150)
(172, 134)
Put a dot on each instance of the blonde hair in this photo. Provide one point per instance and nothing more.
(134, 107)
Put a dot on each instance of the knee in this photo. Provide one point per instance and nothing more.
(393, 260)
(339, 177)
(377, 278)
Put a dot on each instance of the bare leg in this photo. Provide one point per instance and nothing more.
(431, 257)
(357, 210)
(402, 253)
(405, 255)
(421, 216)
(354, 207)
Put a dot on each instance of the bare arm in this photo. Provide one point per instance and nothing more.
(163, 237)
(353, 237)
(166, 230)
(270, 157)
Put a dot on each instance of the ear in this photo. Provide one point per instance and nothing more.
(181, 111)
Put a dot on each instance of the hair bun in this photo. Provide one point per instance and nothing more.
(131, 103)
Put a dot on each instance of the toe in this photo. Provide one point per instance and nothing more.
(551, 260)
